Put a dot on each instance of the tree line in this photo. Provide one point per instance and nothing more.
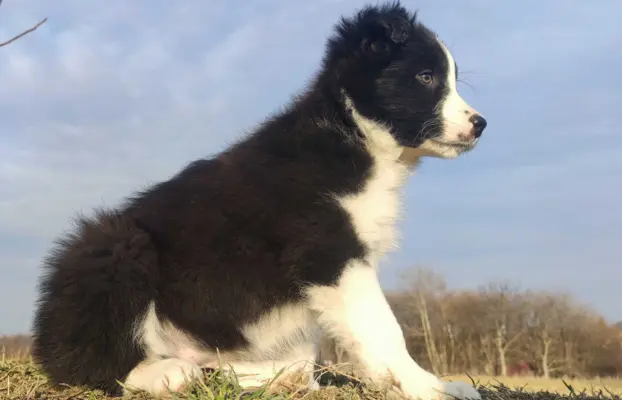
(499, 329)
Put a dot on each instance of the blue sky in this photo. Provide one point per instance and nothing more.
(106, 98)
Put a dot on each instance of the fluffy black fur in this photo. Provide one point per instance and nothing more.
(230, 237)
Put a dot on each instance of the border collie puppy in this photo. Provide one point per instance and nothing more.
(243, 260)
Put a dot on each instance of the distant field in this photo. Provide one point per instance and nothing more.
(21, 380)
(551, 385)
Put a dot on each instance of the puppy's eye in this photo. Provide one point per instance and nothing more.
(425, 77)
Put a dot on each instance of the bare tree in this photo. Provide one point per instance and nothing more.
(15, 346)
(505, 310)
(466, 315)
(549, 314)
(425, 287)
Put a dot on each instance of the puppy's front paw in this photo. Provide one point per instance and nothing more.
(435, 389)
(459, 390)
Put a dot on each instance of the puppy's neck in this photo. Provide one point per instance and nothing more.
(378, 137)
(412, 157)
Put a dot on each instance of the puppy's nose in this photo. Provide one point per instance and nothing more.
(479, 123)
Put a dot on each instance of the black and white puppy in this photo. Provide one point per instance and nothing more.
(244, 259)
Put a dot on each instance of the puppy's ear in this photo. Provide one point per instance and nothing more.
(384, 29)
(375, 31)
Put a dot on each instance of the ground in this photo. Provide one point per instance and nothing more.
(22, 380)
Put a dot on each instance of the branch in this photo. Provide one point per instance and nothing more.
(514, 339)
(26, 32)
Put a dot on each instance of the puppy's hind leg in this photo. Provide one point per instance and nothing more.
(293, 372)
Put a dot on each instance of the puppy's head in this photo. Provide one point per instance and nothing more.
(397, 72)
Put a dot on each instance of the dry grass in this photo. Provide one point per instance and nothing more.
(21, 380)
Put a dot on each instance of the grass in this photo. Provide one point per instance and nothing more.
(21, 380)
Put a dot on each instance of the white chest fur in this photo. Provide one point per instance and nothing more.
(375, 210)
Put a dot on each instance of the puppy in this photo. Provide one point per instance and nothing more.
(245, 259)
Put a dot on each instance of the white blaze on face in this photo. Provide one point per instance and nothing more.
(456, 136)
(454, 111)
